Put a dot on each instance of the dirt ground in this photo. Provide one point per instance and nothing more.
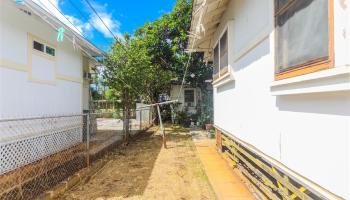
(145, 170)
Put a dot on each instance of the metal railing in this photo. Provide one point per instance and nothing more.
(37, 153)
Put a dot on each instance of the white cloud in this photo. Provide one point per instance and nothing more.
(82, 27)
(111, 23)
(85, 28)
(52, 6)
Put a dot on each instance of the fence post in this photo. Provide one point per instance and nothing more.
(88, 139)
(172, 114)
(141, 119)
(161, 126)
(150, 117)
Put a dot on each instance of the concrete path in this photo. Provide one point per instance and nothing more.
(225, 182)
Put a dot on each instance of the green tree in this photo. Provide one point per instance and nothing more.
(128, 69)
(142, 67)
(166, 41)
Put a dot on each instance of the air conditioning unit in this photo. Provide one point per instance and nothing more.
(87, 75)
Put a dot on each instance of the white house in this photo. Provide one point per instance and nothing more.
(189, 97)
(38, 74)
(282, 88)
(44, 89)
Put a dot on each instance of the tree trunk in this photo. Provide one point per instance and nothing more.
(126, 117)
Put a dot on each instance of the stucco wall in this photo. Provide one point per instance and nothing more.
(309, 132)
(32, 83)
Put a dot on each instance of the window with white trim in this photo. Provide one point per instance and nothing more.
(223, 53)
(50, 51)
(189, 97)
(38, 46)
(216, 60)
(221, 57)
(43, 48)
(303, 36)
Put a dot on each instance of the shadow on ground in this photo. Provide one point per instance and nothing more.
(145, 170)
(126, 173)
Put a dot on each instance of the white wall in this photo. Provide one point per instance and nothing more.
(32, 83)
(309, 133)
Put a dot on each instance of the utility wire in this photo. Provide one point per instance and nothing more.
(82, 15)
(186, 70)
(92, 8)
(84, 36)
(190, 54)
(53, 26)
(76, 28)
(184, 76)
(116, 39)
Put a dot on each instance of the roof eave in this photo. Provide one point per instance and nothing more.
(206, 17)
(83, 42)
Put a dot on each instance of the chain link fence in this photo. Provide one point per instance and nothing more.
(37, 153)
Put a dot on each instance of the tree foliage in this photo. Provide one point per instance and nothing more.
(143, 66)
(166, 41)
(128, 70)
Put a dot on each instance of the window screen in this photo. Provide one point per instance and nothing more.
(50, 51)
(38, 46)
(302, 33)
(223, 51)
(189, 96)
(216, 60)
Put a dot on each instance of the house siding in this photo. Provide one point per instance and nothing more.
(30, 83)
(309, 133)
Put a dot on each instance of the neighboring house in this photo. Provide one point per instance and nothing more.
(38, 75)
(44, 89)
(189, 98)
(282, 88)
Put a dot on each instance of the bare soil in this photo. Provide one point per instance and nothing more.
(145, 170)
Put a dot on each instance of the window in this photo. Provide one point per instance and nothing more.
(223, 52)
(189, 96)
(50, 51)
(38, 46)
(43, 48)
(216, 60)
(221, 57)
(303, 37)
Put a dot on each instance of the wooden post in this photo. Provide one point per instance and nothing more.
(172, 114)
(161, 127)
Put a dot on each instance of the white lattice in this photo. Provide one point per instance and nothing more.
(28, 140)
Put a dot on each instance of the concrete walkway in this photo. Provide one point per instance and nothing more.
(225, 182)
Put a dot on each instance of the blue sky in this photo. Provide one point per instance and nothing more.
(120, 15)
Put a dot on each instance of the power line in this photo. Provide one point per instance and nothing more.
(76, 28)
(53, 26)
(85, 18)
(189, 58)
(82, 15)
(84, 36)
(92, 8)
